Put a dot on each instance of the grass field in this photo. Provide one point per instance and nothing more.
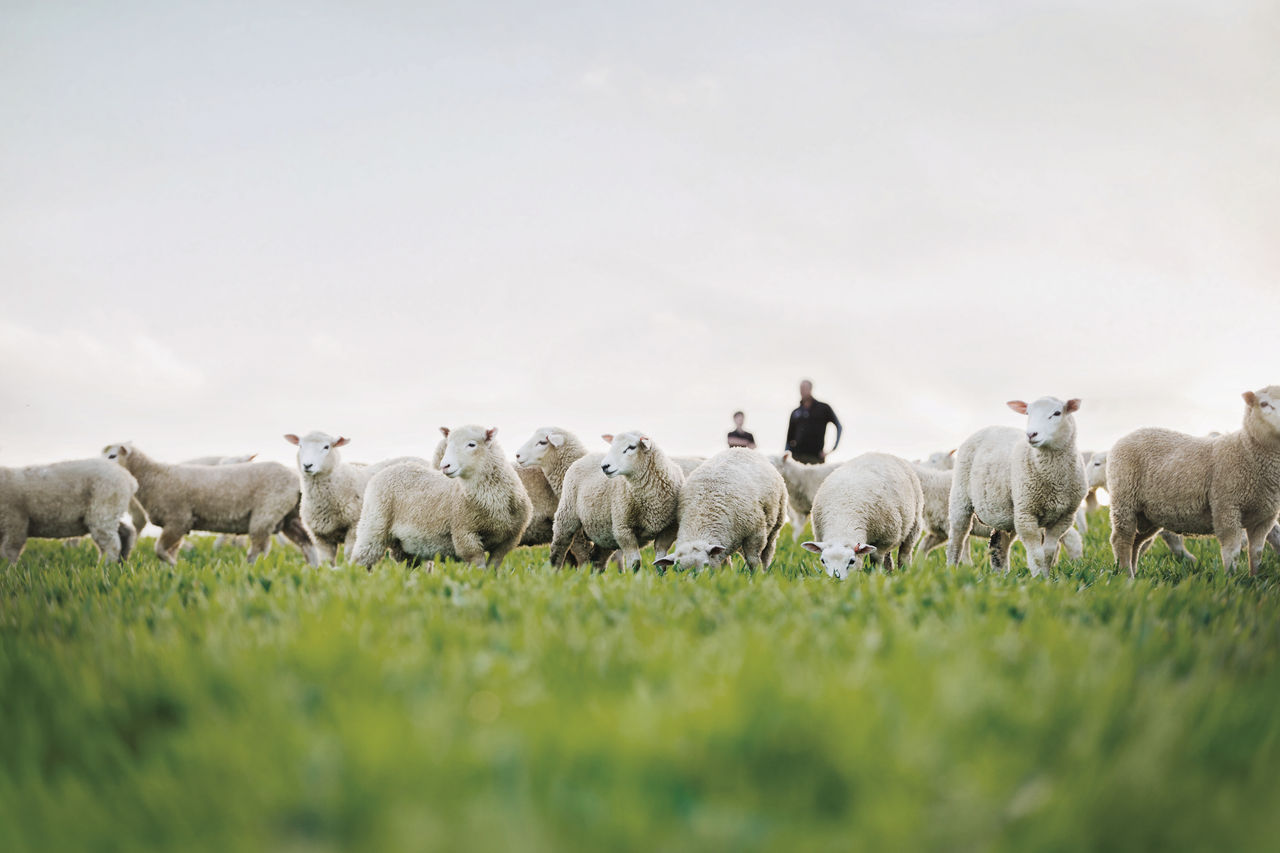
(221, 706)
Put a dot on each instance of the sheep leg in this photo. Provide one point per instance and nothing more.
(13, 535)
(1230, 542)
(798, 520)
(1273, 538)
(563, 530)
(1069, 537)
(663, 541)
(928, 542)
(167, 544)
(1177, 547)
(128, 538)
(107, 538)
(500, 551)
(296, 532)
(961, 518)
(259, 540)
(1258, 541)
(1081, 520)
(998, 549)
(1091, 500)
(1123, 533)
(137, 515)
(629, 547)
(1033, 539)
(770, 548)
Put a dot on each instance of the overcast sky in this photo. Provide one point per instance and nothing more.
(223, 222)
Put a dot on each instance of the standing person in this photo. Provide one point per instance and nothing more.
(807, 432)
(740, 437)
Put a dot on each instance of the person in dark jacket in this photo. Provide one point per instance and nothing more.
(740, 437)
(807, 431)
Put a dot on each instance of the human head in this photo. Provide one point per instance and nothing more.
(806, 389)
(738, 418)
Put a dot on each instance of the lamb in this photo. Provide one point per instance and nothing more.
(942, 460)
(620, 501)
(541, 463)
(333, 490)
(473, 505)
(1095, 473)
(65, 499)
(870, 506)
(803, 482)
(1030, 484)
(139, 515)
(1199, 486)
(258, 498)
(936, 515)
(735, 501)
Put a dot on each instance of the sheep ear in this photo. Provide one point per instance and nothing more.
(445, 430)
(815, 547)
(252, 456)
(124, 448)
(716, 550)
(341, 441)
(490, 433)
(864, 549)
(953, 452)
(556, 438)
(668, 560)
(646, 442)
(1250, 398)
(786, 456)
(608, 439)
(291, 438)
(1018, 406)
(1073, 405)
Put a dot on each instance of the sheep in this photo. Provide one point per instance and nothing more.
(735, 501)
(1195, 486)
(475, 503)
(1030, 484)
(1095, 473)
(546, 457)
(942, 460)
(620, 500)
(258, 498)
(803, 482)
(66, 499)
(333, 490)
(869, 506)
(139, 515)
(688, 464)
(936, 515)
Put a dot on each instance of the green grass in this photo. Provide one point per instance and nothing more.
(222, 706)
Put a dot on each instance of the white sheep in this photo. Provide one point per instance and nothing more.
(258, 498)
(735, 501)
(547, 455)
(803, 482)
(620, 501)
(942, 460)
(333, 490)
(936, 515)
(868, 507)
(1194, 486)
(1095, 474)
(67, 499)
(473, 505)
(1028, 483)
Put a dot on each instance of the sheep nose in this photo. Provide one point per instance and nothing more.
(1032, 435)
(604, 468)
(306, 466)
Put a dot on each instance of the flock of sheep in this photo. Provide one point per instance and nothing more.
(470, 503)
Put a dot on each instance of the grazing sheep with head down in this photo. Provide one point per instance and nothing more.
(258, 498)
(472, 506)
(621, 500)
(1196, 486)
(65, 499)
(1028, 483)
(869, 507)
(735, 501)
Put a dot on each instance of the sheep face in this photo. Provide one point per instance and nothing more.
(531, 453)
(1096, 470)
(1047, 422)
(943, 460)
(1264, 409)
(316, 452)
(839, 559)
(624, 453)
(116, 452)
(465, 450)
(694, 555)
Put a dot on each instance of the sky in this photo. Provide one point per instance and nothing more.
(223, 222)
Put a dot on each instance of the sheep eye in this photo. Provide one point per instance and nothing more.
(471, 444)
(326, 447)
(631, 448)
(112, 456)
(542, 443)
(1056, 414)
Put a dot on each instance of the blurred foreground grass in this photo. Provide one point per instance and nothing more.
(222, 706)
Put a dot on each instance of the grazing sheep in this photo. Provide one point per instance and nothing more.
(735, 501)
(620, 501)
(258, 498)
(869, 506)
(803, 482)
(936, 515)
(333, 490)
(473, 505)
(1030, 484)
(1195, 486)
(65, 499)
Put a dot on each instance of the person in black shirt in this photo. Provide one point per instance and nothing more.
(740, 437)
(807, 432)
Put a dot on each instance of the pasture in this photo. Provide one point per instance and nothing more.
(219, 705)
